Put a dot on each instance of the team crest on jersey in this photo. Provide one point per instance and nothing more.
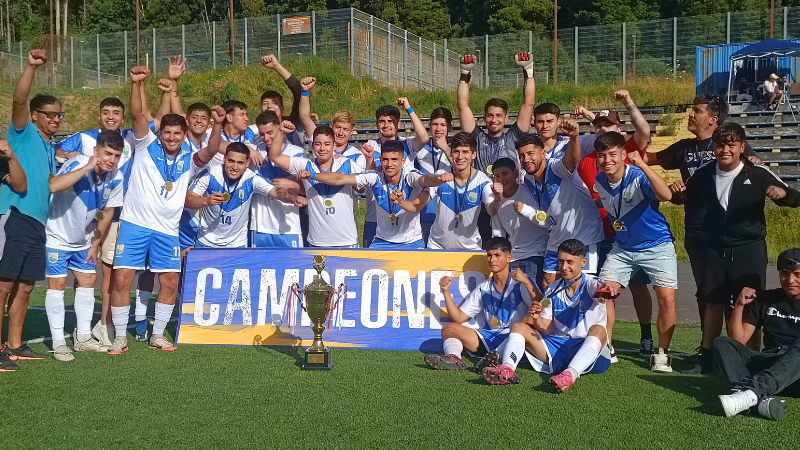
(52, 257)
(106, 193)
(180, 166)
(627, 197)
(126, 151)
(120, 249)
(241, 194)
(472, 196)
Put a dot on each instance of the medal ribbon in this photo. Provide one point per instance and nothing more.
(543, 192)
(565, 287)
(497, 305)
(388, 188)
(322, 188)
(461, 197)
(228, 186)
(169, 172)
(435, 161)
(98, 195)
(621, 190)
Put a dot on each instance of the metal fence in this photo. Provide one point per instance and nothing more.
(394, 57)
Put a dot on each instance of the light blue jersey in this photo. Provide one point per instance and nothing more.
(496, 311)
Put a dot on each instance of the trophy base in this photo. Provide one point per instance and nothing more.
(318, 361)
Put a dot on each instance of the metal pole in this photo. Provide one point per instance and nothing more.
(634, 56)
(389, 54)
(154, 50)
(624, 53)
(214, 44)
(727, 28)
(314, 33)
(352, 44)
(183, 41)
(530, 41)
(72, 61)
(433, 78)
(405, 58)
(125, 36)
(246, 59)
(486, 60)
(97, 36)
(371, 47)
(446, 65)
(675, 45)
(785, 22)
(419, 65)
(278, 16)
(231, 39)
(138, 39)
(771, 17)
(555, 41)
(576, 55)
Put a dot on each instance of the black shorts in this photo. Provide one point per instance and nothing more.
(725, 271)
(695, 245)
(24, 250)
(484, 225)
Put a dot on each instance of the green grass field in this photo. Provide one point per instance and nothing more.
(251, 397)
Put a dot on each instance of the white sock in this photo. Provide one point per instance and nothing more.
(119, 317)
(163, 314)
(84, 312)
(54, 306)
(142, 300)
(453, 346)
(585, 357)
(514, 350)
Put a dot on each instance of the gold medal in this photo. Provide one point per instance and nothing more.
(99, 215)
(460, 217)
(495, 322)
(327, 203)
(168, 186)
(617, 225)
(546, 302)
(594, 188)
(226, 197)
(541, 216)
(393, 217)
(489, 170)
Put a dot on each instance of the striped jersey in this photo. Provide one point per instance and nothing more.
(457, 210)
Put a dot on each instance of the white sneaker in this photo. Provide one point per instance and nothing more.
(737, 402)
(63, 353)
(613, 352)
(100, 332)
(773, 408)
(661, 362)
(91, 345)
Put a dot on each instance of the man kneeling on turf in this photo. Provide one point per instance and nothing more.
(497, 303)
(565, 333)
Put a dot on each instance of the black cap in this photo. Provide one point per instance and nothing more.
(789, 259)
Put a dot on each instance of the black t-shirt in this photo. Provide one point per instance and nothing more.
(778, 315)
(688, 155)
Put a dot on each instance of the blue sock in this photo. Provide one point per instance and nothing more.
(141, 326)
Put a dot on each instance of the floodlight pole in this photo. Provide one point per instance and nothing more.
(555, 41)
(771, 17)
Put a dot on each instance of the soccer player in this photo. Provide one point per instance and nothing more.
(273, 101)
(498, 303)
(160, 175)
(562, 200)
(458, 201)
(274, 223)
(198, 117)
(547, 121)
(396, 192)
(605, 121)
(564, 333)
(23, 262)
(434, 158)
(224, 194)
(642, 240)
(86, 191)
(731, 194)
(387, 120)
(528, 240)
(756, 377)
(330, 208)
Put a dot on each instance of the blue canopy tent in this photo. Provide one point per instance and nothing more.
(765, 49)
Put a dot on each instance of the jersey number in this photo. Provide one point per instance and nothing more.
(225, 220)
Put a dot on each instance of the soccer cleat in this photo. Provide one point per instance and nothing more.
(6, 364)
(118, 347)
(91, 345)
(490, 359)
(21, 352)
(500, 375)
(143, 337)
(159, 342)
(737, 402)
(562, 381)
(661, 362)
(613, 352)
(63, 353)
(773, 408)
(103, 333)
(646, 347)
(445, 362)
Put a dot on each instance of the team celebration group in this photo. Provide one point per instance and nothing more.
(566, 219)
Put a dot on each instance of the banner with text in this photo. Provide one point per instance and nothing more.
(240, 296)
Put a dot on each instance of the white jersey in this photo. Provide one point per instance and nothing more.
(333, 226)
(245, 138)
(72, 212)
(297, 137)
(405, 229)
(225, 225)
(376, 145)
(454, 201)
(269, 215)
(431, 160)
(572, 317)
(148, 203)
(527, 238)
(193, 215)
(562, 143)
(571, 212)
(354, 155)
(203, 141)
(494, 310)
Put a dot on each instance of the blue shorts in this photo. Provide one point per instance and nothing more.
(562, 350)
(381, 244)
(551, 260)
(491, 339)
(187, 231)
(137, 246)
(370, 228)
(266, 240)
(60, 261)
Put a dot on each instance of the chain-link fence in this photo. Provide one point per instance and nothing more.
(371, 47)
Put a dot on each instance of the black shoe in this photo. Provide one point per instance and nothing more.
(695, 357)
(490, 359)
(21, 352)
(6, 364)
(646, 347)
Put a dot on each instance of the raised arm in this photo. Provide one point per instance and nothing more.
(434, 180)
(291, 82)
(494, 207)
(16, 178)
(455, 313)
(177, 67)
(309, 125)
(215, 139)
(61, 183)
(166, 86)
(525, 60)
(412, 206)
(146, 112)
(465, 116)
(421, 133)
(740, 330)
(573, 154)
(20, 114)
(659, 186)
(642, 133)
(331, 178)
(197, 201)
(140, 122)
(276, 148)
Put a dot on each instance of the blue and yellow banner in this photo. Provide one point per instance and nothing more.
(240, 296)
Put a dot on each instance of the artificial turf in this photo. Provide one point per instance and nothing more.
(251, 397)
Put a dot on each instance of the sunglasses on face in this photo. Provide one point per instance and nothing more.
(51, 114)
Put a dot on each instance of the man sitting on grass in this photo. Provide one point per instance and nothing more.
(496, 304)
(565, 333)
(754, 377)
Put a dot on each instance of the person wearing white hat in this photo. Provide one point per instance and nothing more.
(772, 94)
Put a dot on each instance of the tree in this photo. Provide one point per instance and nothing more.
(424, 18)
(253, 8)
(520, 15)
(110, 16)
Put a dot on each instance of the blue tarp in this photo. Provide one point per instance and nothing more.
(770, 47)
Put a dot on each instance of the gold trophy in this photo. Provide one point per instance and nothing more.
(318, 305)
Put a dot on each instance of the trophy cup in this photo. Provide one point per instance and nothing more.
(318, 305)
